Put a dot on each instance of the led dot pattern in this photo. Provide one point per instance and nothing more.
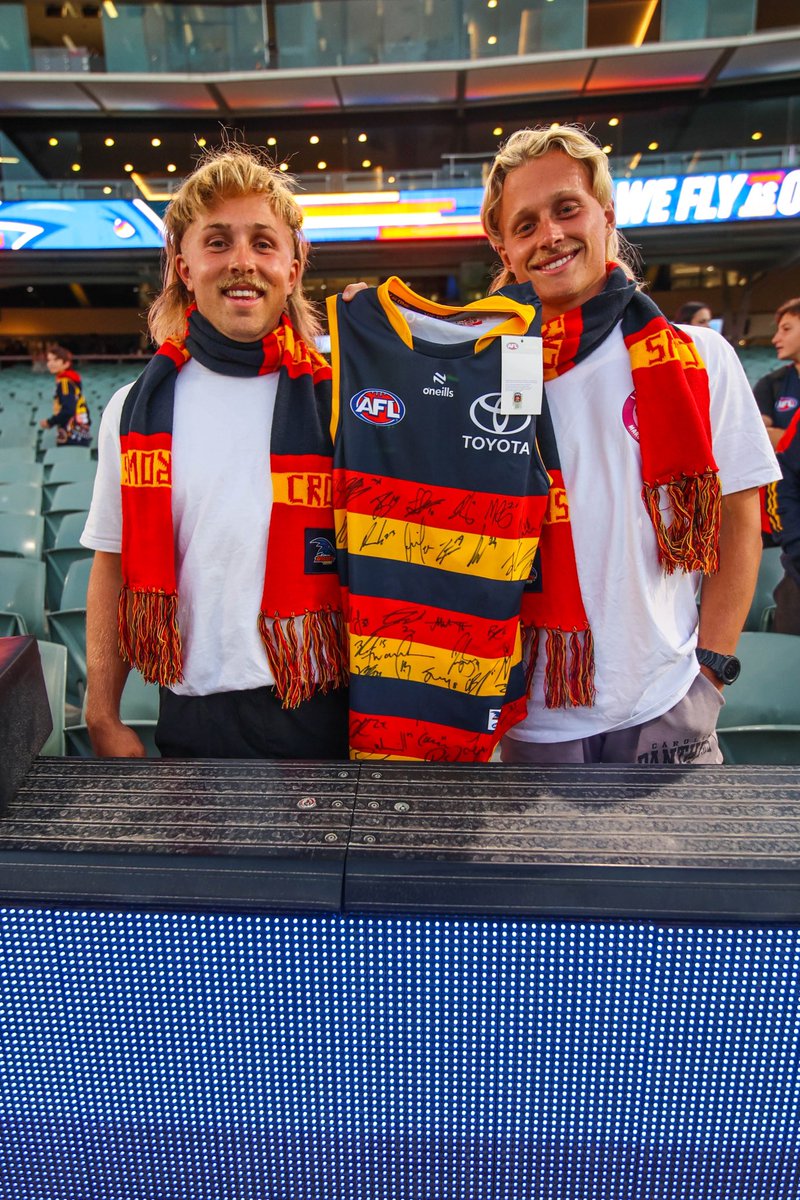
(157, 1056)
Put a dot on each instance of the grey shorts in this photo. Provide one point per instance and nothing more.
(686, 733)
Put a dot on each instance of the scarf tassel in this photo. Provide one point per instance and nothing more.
(316, 660)
(691, 541)
(569, 671)
(149, 638)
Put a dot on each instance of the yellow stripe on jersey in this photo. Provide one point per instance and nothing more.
(414, 662)
(425, 545)
(333, 329)
(518, 316)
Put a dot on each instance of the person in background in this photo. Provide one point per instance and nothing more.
(693, 312)
(71, 418)
(214, 494)
(659, 452)
(778, 393)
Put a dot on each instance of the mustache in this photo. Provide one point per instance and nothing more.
(560, 253)
(253, 285)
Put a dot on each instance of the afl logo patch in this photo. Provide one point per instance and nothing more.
(377, 407)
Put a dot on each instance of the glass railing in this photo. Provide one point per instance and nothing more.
(168, 38)
(455, 173)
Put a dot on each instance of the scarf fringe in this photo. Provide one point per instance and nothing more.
(149, 638)
(314, 662)
(569, 671)
(691, 543)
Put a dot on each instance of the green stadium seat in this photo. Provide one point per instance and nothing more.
(68, 627)
(22, 584)
(21, 472)
(21, 498)
(54, 454)
(17, 454)
(21, 535)
(770, 573)
(67, 498)
(54, 668)
(760, 721)
(67, 469)
(59, 558)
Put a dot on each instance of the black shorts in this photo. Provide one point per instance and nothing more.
(252, 724)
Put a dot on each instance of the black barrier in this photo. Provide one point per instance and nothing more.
(238, 981)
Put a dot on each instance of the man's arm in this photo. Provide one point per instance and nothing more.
(106, 671)
(725, 598)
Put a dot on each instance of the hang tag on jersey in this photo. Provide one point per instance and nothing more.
(522, 375)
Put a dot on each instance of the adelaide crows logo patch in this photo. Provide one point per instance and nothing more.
(377, 407)
(320, 556)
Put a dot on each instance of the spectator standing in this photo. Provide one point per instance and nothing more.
(71, 418)
(778, 393)
(693, 312)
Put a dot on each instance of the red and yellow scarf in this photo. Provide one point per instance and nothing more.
(672, 403)
(300, 618)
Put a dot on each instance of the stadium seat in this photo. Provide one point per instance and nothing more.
(760, 721)
(21, 498)
(770, 573)
(22, 582)
(54, 668)
(21, 535)
(68, 626)
(138, 709)
(67, 498)
(54, 454)
(17, 454)
(59, 558)
(67, 469)
(21, 472)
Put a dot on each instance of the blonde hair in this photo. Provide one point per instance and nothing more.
(528, 144)
(227, 173)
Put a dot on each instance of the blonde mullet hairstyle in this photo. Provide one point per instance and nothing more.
(528, 144)
(227, 173)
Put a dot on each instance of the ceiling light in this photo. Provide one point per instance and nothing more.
(284, 166)
(492, 41)
(554, 125)
(366, 162)
(171, 168)
(201, 142)
(314, 140)
(155, 141)
(652, 145)
(109, 141)
(106, 190)
(606, 149)
(497, 131)
(362, 137)
(390, 179)
(29, 289)
(110, 9)
(10, 159)
(128, 167)
(757, 136)
(321, 165)
(614, 122)
(272, 141)
(491, 3)
(52, 141)
(76, 166)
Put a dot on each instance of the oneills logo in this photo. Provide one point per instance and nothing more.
(146, 468)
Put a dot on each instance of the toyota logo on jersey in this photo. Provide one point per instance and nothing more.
(377, 407)
(485, 413)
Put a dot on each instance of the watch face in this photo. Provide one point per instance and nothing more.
(731, 669)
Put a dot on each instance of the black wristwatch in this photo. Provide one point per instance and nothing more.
(726, 667)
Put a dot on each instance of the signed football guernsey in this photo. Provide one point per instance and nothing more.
(439, 498)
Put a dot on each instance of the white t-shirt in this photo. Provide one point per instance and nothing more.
(221, 506)
(644, 622)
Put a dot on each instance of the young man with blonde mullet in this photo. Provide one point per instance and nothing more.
(212, 525)
(656, 450)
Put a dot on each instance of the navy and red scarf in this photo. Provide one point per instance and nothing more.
(300, 613)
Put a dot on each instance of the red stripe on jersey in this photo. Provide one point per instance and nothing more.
(377, 616)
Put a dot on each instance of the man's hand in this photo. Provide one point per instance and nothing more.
(353, 289)
(44, 423)
(113, 739)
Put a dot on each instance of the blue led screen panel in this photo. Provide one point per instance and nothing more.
(165, 1056)
(79, 225)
